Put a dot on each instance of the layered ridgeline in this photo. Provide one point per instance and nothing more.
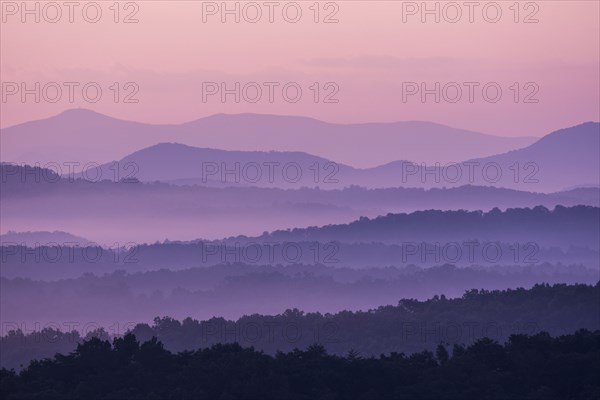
(96, 138)
(520, 237)
(407, 154)
(108, 211)
(235, 290)
(328, 269)
(562, 160)
(409, 326)
(312, 268)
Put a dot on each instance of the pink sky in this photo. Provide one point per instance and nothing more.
(369, 53)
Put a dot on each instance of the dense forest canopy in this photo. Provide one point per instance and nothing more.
(525, 367)
(410, 326)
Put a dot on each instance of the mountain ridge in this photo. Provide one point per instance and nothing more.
(544, 166)
(96, 137)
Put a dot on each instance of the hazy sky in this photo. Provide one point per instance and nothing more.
(369, 57)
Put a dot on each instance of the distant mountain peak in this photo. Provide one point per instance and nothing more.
(81, 110)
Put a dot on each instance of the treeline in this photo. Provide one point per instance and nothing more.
(526, 367)
(562, 226)
(232, 291)
(410, 326)
(44, 186)
(56, 260)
